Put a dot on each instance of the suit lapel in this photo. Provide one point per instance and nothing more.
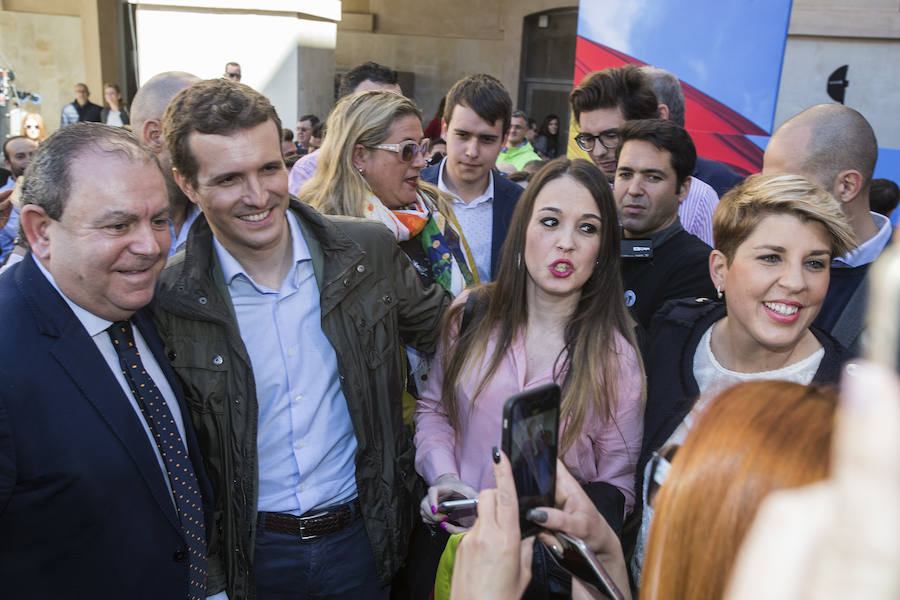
(79, 357)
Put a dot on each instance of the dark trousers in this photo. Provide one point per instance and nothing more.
(339, 565)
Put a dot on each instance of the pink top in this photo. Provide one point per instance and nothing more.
(603, 452)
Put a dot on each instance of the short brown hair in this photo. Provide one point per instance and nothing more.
(753, 439)
(622, 86)
(485, 95)
(742, 208)
(214, 106)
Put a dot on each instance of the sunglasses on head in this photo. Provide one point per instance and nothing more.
(407, 150)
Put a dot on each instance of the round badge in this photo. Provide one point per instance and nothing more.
(629, 298)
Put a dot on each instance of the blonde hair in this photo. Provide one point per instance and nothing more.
(753, 439)
(759, 196)
(364, 118)
(42, 129)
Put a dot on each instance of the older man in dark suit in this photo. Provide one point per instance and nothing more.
(100, 477)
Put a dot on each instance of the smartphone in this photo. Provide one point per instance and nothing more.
(581, 562)
(882, 334)
(450, 506)
(530, 431)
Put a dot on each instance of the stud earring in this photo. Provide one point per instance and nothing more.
(719, 291)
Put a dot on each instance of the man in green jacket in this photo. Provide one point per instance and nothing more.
(518, 151)
(286, 329)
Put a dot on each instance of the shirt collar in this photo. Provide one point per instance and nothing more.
(488, 193)
(231, 268)
(91, 322)
(869, 250)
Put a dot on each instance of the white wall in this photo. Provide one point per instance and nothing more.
(289, 59)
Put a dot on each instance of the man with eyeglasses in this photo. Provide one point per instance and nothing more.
(232, 71)
(601, 103)
(287, 329)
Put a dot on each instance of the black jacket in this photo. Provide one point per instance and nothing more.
(679, 269)
(671, 386)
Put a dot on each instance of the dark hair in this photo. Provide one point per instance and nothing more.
(313, 119)
(12, 139)
(668, 91)
(664, 135)
(485, 95)
(433, 143)
(368, 70)
(884, 195)
(48, 179)
(214, 106)
(590, 343)
(319, 130)
(625, 87)
(287, 135)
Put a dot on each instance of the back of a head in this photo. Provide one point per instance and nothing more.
(368, 70)
(365, 119)
(840, 139)
(483, 94)
(151, 99)
(884, 195)
(668, 91)
(213, 106)
(664, 135)
(625, 87)
(753, 439)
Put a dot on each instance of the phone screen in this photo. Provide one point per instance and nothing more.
(531, 423)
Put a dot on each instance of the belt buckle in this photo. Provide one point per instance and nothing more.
(303, 535)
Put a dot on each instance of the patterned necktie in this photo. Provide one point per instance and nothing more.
(171, 447)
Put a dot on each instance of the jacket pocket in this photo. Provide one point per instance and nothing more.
(374, 320)
(203, 372)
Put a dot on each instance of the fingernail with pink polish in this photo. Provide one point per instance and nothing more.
(433, 509)
(444, 525)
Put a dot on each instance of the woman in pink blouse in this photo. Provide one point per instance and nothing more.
(556, 313)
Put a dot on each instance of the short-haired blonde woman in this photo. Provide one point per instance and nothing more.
(775, 237)
(369, 167)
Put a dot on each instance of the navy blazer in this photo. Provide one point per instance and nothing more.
(84, 507)
(506, 194)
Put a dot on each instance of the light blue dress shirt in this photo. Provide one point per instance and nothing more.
(306, 442)
(476, 219)
(869, 250)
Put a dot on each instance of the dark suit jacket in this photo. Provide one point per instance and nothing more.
(506, 194)
(84, 507)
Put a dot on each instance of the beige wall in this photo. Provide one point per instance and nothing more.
(47, 56)
(440, 41)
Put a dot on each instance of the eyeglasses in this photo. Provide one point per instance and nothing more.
(31, 127)
(233, 76)
(407, 150)
(609, 139)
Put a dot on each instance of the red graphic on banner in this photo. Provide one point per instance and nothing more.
(717, 130)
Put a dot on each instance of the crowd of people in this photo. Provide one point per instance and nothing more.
(244, 363)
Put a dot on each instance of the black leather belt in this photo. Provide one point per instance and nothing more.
(311, 526)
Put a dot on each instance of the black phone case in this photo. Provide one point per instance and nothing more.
(542, 398)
